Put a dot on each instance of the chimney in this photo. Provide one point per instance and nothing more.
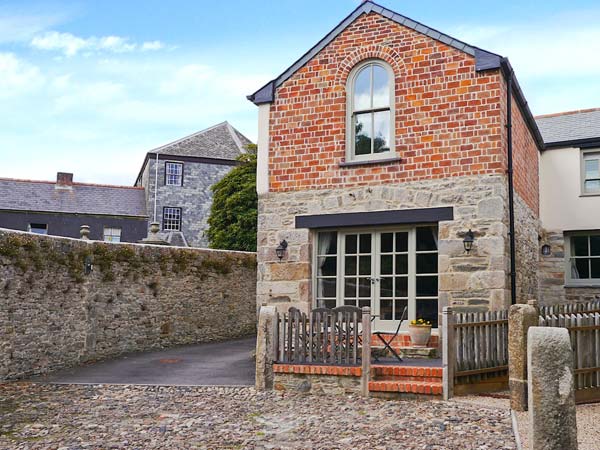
(64, 179)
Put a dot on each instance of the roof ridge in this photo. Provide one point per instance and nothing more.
(567, 113)
(76, 183)
(235, 137)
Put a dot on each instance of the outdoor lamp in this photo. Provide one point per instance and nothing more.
(87, 265)
(546, 250)
(468, 240)
(280, 250)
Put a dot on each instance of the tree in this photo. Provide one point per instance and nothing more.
(234, 211)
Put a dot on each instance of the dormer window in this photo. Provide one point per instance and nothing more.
(173, 174)
(370, 112)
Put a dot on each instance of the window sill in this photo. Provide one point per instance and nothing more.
(370, 162)
(589, 285)
(590, 195)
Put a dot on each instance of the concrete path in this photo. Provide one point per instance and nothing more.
(221, 363)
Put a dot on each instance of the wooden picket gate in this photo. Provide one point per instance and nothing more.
(475, 351)
(324, 336)
(584, 331)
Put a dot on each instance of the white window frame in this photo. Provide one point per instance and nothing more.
(29, 228)
(570, 281)
(587, 155)
(112, 234)
(173, 208)
(378, 325)
(178, 176)
(350, 131)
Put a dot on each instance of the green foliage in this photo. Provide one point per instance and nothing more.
(234, 211)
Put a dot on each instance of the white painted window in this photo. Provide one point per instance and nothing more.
(370, 112)
(171, 219)
(583, 258)
(38, 228)
(173, 174)
(112, 234)
(591, 172)
(387, 270)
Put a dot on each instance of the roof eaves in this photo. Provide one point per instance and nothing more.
(266, 93)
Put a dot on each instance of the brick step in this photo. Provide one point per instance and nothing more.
(406, 371)
(405, 378)
(408, 387)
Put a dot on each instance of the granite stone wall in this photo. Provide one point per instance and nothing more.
(53, 315)
(477, 281)
(526, 250)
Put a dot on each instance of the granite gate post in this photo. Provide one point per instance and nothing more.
(265, 347)
(553, 424)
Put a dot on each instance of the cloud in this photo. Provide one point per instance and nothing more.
(18, 26)
(17, 76)
(70, 44)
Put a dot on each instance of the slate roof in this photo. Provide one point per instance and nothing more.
(220, 141)
(570, 126)
(78, 198)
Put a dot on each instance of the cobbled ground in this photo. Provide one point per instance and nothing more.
(70, 417)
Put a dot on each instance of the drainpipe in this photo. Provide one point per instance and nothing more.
(155, 184)
(511, 203)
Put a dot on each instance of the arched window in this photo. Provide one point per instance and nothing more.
(370, 112)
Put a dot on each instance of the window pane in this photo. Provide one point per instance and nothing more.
(387, 242)
(362, 89)
(364, 287)
(385, 310)
(595, 245)
(387, 264)
(363, 130)
(365, 243)
(401, 287)
(350, 302)
(387, 287)
(592, 186)
(327, 243)
(401, 264)
(381, 87)
(427, 286)
(381, 132)
(363, 303)
(350, 265)
(592, 169)
(427, 263)
(327, 266)
(350, 287)
(326, 304)
(326, 288)
(580, 268)
(351, 244)
(595, 268)
(428, 310)
(426, 239)
(400, 305)
(364, 265)
(579, 246)
(401, 242)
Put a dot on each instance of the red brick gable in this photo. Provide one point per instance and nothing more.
(448, 116)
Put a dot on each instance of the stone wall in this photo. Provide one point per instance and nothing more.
(476, 281)
(53, 315)
(527, 250)
(329, 380)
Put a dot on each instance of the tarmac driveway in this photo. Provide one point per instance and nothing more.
(221, 363)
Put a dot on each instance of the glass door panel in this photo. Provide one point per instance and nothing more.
(426, 274)
(358, 269)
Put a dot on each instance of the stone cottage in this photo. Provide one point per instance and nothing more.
(382, 152)
(177, 178)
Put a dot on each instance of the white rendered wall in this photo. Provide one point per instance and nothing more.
(262, 166)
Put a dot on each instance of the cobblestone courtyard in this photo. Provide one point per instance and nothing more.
(41, 416)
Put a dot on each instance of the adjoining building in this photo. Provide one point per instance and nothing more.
(61, 207)
(177, 180)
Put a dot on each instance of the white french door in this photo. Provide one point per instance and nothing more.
(387, 269)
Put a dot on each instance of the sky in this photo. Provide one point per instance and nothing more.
(90, 86)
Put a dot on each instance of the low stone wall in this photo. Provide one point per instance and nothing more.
(53, 315)
(330, 380)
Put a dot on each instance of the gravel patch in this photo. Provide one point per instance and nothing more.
(69, 417)
(588, 427)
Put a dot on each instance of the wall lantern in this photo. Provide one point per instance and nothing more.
(468, 241)
(546, 250)
(280, 250)
(88, 266)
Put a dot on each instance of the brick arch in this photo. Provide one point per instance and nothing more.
(387, 54)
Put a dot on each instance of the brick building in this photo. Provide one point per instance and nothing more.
(379, 151)
(177, 178)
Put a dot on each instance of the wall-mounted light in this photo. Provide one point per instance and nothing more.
(468, 241)
(546, 250)
(88, 265)
(281, 248)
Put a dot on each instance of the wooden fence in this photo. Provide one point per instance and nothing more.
(571, 308)
(324, 336)
(584, 331)
(475, 351)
